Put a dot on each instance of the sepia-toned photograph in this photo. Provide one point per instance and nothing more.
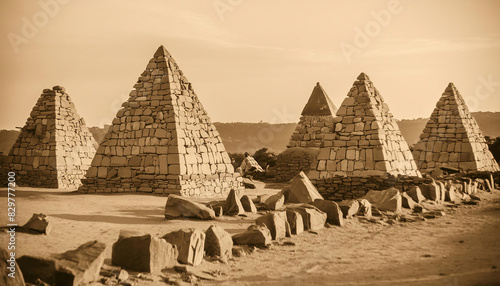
(249, 142)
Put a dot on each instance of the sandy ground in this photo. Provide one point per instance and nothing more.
(461, 248)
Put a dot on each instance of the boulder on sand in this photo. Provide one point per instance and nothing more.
(365, 208)
(74, 267)
(407, 201)
(333, 212)
(232, 206)
(218, 242)
(275, 202)
(349, 208)
(295, 221)
(416, 194)
(143, 253)
(275, 222)
(190, 243)
(313, 218)
(38, 223)
(302, 190)
(386, 200)
(248, 204)
(430, 191)
(178, 206)
(257, 235)
(81, 265)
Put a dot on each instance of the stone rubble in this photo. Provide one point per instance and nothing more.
(190, 243)
(178, 206)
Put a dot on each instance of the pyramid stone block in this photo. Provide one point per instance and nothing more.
(452, 138)
(367, 140)
(162, 141)
(54, 148)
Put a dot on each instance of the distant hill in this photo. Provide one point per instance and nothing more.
(239, 137)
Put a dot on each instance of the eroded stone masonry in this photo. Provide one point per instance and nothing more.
(452, 138)
(54, 148)
(162, 141)
(315, 128)
(367, 147)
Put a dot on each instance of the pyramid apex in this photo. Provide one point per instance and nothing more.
(363, 76)
(319, 103)
(451, 87)
(161, 51)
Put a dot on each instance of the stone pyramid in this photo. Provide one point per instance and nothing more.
(452, 138)
(55, 148)
(162, 141)
(368, 141)
(316, 121)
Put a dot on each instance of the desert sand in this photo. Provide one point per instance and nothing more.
(461, 248)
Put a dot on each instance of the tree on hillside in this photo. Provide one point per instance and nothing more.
(265, 158)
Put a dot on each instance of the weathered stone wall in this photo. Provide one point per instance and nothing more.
(162, 141)
(54, 148)
(312, 131)
(294, 160)
(452, 138)
(351, 187)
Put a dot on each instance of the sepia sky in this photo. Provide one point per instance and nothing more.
(250, 60)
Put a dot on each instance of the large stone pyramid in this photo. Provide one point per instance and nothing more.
(162, 141)
(55, 148)
(368, 141)
(316, 121)
(452, 138)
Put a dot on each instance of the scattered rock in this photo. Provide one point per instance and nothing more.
(449, 194)
(474, 197)
(333, 212)
(232, 206)
(313, 218)
(275, 202)
(38, 223)
(82, 265)
(295, 220)
(365, 208)
(38, 269)
(218, 242)
(419, 209)
(407, 201)
(248, 204)
(255, 235)
(143, 253)
(218, 210)
(248, 184)
(288, 232)
(302, 190)
(242, 250)
(275, 222)
(349, 208)
(389, 200)
(433, 214)
(430, 191)
(74, 267)
(193, 271)
(190, 243)
(178, 206)
(416, 194)
(7, 267)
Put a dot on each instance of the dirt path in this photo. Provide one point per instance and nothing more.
(462, 248)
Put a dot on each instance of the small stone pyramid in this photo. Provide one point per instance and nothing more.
(452, 138)
(162, 141)
(368, 141)
(55, 148)
(316, 121)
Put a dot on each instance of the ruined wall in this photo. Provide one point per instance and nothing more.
(294, 160)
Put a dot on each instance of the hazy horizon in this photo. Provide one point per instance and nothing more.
(250, 61)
